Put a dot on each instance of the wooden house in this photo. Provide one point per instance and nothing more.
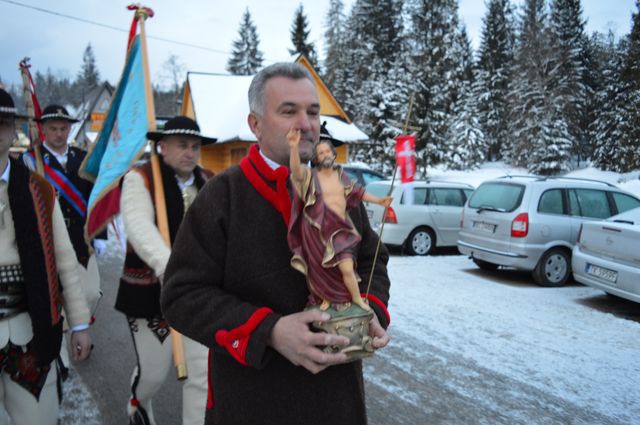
(220, 105)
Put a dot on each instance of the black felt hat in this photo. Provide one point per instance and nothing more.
(56, 112)
(325, 135)
(180, 125)
(7, 107)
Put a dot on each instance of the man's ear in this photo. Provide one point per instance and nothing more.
(254, 124)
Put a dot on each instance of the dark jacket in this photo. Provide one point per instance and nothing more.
(229, 280)
(73, 219)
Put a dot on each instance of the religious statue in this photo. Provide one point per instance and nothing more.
(322, 236)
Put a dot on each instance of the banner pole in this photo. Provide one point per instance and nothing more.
(384, 213)
(33, 114)
(159, 198)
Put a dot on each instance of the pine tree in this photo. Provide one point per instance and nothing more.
(246, 57)
(495, 59)
(595, 57)
(631, 70)
(438, 70)
(466, 143)
(607, 128)
(541, 138)
(335, 66)
(567, 73)
(630, 119)
(373, 34)
(88, 77)
(299, 37)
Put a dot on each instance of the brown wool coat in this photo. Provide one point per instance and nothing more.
(229, 259)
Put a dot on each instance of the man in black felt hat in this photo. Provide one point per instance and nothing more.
(138, 297)
(35, 283)
(62, 163)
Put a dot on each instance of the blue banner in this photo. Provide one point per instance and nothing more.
(120, 142)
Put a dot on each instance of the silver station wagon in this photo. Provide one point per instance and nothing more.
(607, 255)
(432, 219)
(531, 223)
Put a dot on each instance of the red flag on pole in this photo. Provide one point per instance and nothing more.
(36, 136)
(406, 157)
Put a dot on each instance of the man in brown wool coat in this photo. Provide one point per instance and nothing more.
(230, 286)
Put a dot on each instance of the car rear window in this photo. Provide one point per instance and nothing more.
(370, 177)
(378, 190)
(625, 202)
(501, 196)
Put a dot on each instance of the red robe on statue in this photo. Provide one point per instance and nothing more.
(319, 238)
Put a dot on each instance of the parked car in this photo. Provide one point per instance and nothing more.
(531, 223)
(362, 175)
(433, 219)
(607, 255)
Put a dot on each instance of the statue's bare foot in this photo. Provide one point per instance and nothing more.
(325, 305)
(362, 304)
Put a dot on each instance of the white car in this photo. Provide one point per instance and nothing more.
(607, 255)
(433, 219)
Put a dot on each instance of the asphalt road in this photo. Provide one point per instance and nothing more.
(108, 371)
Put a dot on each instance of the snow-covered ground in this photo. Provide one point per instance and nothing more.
(499, 324)
(471, 347)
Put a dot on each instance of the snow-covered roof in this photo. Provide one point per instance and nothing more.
(221, 108)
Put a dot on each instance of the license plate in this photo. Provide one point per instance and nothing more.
(370, 214)
(606, 274)
(485, 227)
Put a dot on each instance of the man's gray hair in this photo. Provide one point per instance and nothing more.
(290, 70)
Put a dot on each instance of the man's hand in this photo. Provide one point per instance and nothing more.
(380, 337)
(386, 201)
(80, 345)
(292, 338)
(293, 137)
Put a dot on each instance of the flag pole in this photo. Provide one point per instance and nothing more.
(159, 197)
(386, 208)
(33, 112)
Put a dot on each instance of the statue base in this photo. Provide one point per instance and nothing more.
(351, 321)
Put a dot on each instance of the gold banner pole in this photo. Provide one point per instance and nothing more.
(161, 210)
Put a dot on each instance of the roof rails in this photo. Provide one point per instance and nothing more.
(528, 176)
(429, 180)
(577, 179)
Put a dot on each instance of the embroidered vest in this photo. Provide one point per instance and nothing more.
(33, 218)
(139, 291)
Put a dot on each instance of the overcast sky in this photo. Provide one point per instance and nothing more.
(57, 42)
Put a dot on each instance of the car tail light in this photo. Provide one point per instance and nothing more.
(520, 226)
(390, 216)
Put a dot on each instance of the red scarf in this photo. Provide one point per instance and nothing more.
(256, 170)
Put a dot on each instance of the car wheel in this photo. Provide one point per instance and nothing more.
(421, 241)
(553, 269)
(485, 265)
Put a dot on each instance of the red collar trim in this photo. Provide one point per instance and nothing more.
(256, 170)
